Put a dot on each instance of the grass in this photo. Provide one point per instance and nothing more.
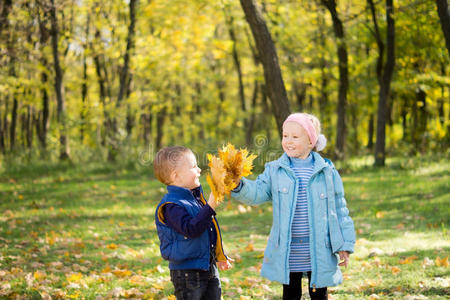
(88, 231)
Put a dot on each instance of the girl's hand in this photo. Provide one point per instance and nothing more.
(212, 202)
(344, 256)
(225, 265)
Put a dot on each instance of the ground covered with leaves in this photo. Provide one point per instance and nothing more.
(88, 232)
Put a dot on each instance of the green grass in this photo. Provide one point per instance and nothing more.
(85, 231)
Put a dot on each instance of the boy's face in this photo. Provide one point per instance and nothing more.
(295, 140)
(187, 173)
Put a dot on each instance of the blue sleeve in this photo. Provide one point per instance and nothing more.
(254, 192)
(345, 221)
(179, 219)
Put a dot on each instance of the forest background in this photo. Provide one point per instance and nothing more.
(117, 80)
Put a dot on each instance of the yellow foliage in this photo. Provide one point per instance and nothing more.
(227, 169)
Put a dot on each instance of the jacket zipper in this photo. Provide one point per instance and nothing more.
(311, 238)
(291, 173)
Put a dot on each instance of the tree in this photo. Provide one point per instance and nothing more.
(343, 75)
(269, 59)
(444, 16)
(384, 76)
(59, 87)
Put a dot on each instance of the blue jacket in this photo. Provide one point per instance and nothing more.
(183, 252)
(331, 228)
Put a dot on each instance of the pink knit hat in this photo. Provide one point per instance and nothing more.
(319, 141)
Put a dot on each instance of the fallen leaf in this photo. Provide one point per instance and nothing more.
(249, 247)
(112, 246)
(441, 262)
(380, 214)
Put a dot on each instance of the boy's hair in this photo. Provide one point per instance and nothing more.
(166, 160)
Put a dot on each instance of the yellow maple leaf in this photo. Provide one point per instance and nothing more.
(441, 262)
(395, 270)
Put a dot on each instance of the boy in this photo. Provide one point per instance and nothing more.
(187, 228)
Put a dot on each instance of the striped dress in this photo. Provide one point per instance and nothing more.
(299, 258)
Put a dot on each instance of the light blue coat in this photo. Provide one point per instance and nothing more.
(331, 228)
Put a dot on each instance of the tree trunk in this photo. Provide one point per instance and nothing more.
(268, 55)
(124, 76)
(29, 126)
(444, 17)
(251, 122)
(422, 119)
(5, 124)
(388, 70)
(6, 9)
(125, 70)
(371, 129)
(84, 85)
(160, 118)
(343, 76)
(324, 77)
(237, 65)
(404, 114)
(12, 129)
(59, 88)
(104, 91)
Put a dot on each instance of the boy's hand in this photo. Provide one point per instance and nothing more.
(225, 265)
(212, 202)
(344, 256)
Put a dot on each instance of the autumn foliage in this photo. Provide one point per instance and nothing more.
(227, 169)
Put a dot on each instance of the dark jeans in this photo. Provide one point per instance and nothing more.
(293, 291)
(196, 284)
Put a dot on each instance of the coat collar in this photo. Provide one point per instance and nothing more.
(184, 192)
(319, 162)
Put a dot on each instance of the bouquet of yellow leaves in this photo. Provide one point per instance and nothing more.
(227, 169)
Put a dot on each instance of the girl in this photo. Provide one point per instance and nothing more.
(311, 226)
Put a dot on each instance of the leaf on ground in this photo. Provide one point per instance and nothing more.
(112, 246)
(427, 262)
(408, 260)
(380, 214)
(250, 247)
(39, 275)
(441, 262)
(74, 277)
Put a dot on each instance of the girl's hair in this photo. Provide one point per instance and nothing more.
(315, 121)
(166, 161)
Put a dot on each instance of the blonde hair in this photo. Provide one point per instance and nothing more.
(166, 161)
(315, 121)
